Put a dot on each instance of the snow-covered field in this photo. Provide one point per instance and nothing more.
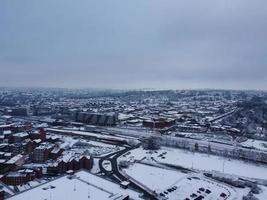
(98, 148)
(200, 161)
(93, 147)
(178, 185)
(208, 137)
(257, 144)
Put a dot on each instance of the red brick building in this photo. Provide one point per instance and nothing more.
(73, 163)
(38, 134)
(41, 153)
(21, 176)
(14, 162)
(2, 195)
(159, 123)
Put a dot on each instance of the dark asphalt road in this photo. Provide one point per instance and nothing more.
(115, 174)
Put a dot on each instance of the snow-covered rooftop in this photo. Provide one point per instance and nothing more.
(82, 185)
(14, 159)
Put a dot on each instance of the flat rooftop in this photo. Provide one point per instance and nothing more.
(82, 185)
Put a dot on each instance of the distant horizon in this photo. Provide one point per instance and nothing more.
(130, 89)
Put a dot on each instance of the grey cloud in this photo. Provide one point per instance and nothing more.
(129, 44)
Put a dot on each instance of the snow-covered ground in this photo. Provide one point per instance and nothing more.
(89, 134)
(257, 144)
(107, 165)
(192, 187)
(208, 137)
(95, 169)
(81, 186)
(93, 147)
(200, 161)
(153, 177)
(263, 194)
(68, 141)
(178, 185)
(98, 148)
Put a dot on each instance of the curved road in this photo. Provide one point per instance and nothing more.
(117, 176)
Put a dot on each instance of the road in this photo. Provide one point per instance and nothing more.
(117, 176)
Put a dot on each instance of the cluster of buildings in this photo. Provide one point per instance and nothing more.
(32, 154)
(29, 151)
(96, 118)
(21, 176)
(70, 161)
(187, 111)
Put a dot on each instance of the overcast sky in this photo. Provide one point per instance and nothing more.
(162, 44)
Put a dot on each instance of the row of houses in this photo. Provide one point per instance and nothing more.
(21, 176)
(45, 152)
(15, 174)
(15, 127)
(24, 147)
(70, 161)
(17, 137)
(12, 164)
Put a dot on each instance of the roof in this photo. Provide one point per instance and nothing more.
(81, 185)
(22, 134)
(14, 159)
(125, 183)
(68, 156)
(16, 174)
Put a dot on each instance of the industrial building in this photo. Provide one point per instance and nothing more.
(96, 118)
(82, 185)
